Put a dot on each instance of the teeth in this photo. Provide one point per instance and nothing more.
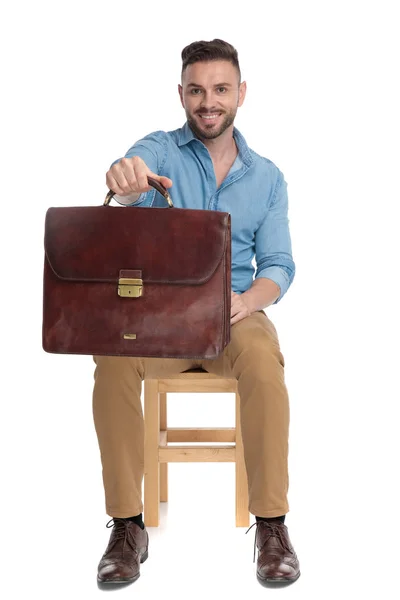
(208, 117)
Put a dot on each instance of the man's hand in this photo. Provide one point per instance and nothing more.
(129, 175)
(239, 308)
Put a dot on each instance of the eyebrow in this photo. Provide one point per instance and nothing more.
(196, 85)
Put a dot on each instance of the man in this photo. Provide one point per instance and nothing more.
(210, 167)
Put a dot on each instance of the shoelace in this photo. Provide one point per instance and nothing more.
(121, 532)
(274, 530)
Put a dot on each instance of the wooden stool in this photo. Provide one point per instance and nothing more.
(157, 453)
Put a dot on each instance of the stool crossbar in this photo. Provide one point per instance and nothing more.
(157, 452)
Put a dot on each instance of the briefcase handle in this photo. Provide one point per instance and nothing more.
(155, 184)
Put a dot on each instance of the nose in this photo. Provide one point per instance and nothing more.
(208, 101)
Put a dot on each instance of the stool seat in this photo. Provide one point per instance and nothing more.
(200, 370)
(157, 436)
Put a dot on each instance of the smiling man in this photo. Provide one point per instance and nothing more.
(210, 167)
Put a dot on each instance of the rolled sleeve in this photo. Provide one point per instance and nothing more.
(273, 243)
(278, 276)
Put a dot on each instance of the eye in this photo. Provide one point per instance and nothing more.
(221, 89)
(195, 91)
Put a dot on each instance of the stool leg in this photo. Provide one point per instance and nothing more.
(151, 444)
(163, 466)
(242, 490)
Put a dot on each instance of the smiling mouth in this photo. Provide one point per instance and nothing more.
(209, 118)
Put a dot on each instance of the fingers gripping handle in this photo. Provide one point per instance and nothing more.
(155, 184)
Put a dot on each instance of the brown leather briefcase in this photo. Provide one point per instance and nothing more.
(137, 281)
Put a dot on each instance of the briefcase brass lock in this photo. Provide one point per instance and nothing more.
(130, 288)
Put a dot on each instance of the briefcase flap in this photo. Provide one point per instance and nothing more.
(168, 245)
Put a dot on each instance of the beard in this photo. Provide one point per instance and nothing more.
(209, 132)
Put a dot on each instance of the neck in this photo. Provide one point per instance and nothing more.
(223, 147)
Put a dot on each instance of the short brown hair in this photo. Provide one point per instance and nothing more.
(207, 51)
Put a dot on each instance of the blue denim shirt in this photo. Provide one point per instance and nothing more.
(254, 192)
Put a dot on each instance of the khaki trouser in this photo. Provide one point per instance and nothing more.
(254, 358)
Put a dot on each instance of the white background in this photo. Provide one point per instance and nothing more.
(81, 82)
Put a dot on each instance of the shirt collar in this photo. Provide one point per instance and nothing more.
(186, 135)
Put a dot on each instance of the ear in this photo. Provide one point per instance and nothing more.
(180, 90)
(242, 93)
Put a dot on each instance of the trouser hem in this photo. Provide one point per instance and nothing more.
(124, 514)
(277, 512)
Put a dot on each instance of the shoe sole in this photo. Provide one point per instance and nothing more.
(277, 581)
(110, 582)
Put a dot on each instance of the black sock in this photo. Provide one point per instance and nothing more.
(138, 520)
(272, 519)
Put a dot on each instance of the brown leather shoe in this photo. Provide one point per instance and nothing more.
(277, 561)
(127, 548)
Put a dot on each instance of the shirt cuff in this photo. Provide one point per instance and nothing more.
(278, 276)
(133, 198)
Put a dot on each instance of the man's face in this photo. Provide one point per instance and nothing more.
(211, 94)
